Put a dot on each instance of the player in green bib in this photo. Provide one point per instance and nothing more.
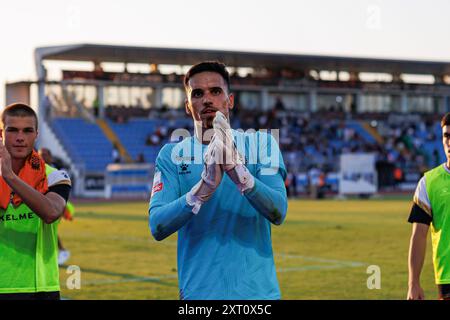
(431, 207)
(69, 211)
(32, 199)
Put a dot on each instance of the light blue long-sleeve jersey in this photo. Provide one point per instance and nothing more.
(224, 251)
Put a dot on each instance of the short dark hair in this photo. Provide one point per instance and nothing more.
(211, 66)
(445, 121)
(18, 110)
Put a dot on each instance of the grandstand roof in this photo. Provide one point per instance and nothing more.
(181, 56)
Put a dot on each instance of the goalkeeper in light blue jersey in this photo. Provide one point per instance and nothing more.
(221, 190)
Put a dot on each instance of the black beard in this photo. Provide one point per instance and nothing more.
(208, 123)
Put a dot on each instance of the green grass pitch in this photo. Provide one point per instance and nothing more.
(322, 251)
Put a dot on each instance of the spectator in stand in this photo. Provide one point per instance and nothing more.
(116, 154)
(140, 158)
(279, 104)
(316, 182)
(398, 176)
(153, 139)
(99, 74)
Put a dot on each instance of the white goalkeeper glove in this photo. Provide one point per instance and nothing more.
(210, 179)
(233, 164)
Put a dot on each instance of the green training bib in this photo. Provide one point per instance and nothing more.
(28, 251)
(438, 189)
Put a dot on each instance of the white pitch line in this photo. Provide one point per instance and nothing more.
(91, 236)
(318, 259)
(308, 268)
(136, 279)
(333, 264)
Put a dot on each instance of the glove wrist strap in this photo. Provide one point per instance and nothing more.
(242, 178)
(193, 202)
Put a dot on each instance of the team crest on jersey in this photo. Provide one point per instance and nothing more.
(35, 162)
(184, 169)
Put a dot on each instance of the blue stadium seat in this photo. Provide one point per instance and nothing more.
(133, 135)
(85, 143)
(355, 125)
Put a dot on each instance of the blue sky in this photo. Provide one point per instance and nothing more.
(405, 29)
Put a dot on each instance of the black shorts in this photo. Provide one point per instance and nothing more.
(31, 296)
(444, 291)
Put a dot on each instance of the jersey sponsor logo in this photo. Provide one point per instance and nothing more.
(157, 184)
(16, 217)
(186, 158)
(157, 187)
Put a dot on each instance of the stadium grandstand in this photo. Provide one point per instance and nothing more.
(103, 107)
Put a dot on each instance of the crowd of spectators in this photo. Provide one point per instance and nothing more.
(406, 144)
(315, 141)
